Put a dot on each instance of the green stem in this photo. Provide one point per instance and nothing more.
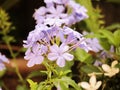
(14, 59)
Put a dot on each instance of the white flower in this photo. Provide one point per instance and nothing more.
(110, 70)
(92, 85)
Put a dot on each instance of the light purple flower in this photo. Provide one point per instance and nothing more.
(60, 54)
(93, 43)
(59, 9)
(39, 14)
(34, 55)
(56, 12)
(2, 60)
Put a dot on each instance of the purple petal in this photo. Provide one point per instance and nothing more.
(54, 48)
(63, 48)
(61, 62)
(52, 56)
(68, 56)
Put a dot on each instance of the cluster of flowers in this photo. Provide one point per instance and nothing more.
(53, 38)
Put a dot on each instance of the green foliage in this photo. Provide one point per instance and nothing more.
(117, 37)
(82, 56)
(33, 85)
(113, 38)
(21, 87)
(5, 24)
(93, 22)
(2, 73)
(36, 73)
(5, 27)
(90, 69)
(65, 82)
(113, 26)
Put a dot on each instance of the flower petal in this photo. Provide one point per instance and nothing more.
(98, 84)
(54, 48)
(2, 66)
(61, 62)
(52, 56)
(85, 85)
(114, 63)
(60, 9)
(92, 80)
(38, 59)
(30, 63)
(63, 48)
(68, 56)
(106, 68)
(115, 70)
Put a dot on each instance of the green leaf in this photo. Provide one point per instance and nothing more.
(70, 82)
(82, 55)
(33, 85)
(117, 37)
(104, 43)
(109, 35)
(65, 69)
(89, 69)
(35, 74)
(63, 86)
(44, 86)
(113, 26)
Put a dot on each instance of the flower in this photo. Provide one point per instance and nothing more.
(39, 14)
(56, 12)
(60, 54)
(110, 70)
(65, 12)
(41, 42)
(93, 43)
(34, 55)
(2, 60)
(92, 85)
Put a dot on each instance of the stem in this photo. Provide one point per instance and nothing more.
(14, 59)
(103, 86)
